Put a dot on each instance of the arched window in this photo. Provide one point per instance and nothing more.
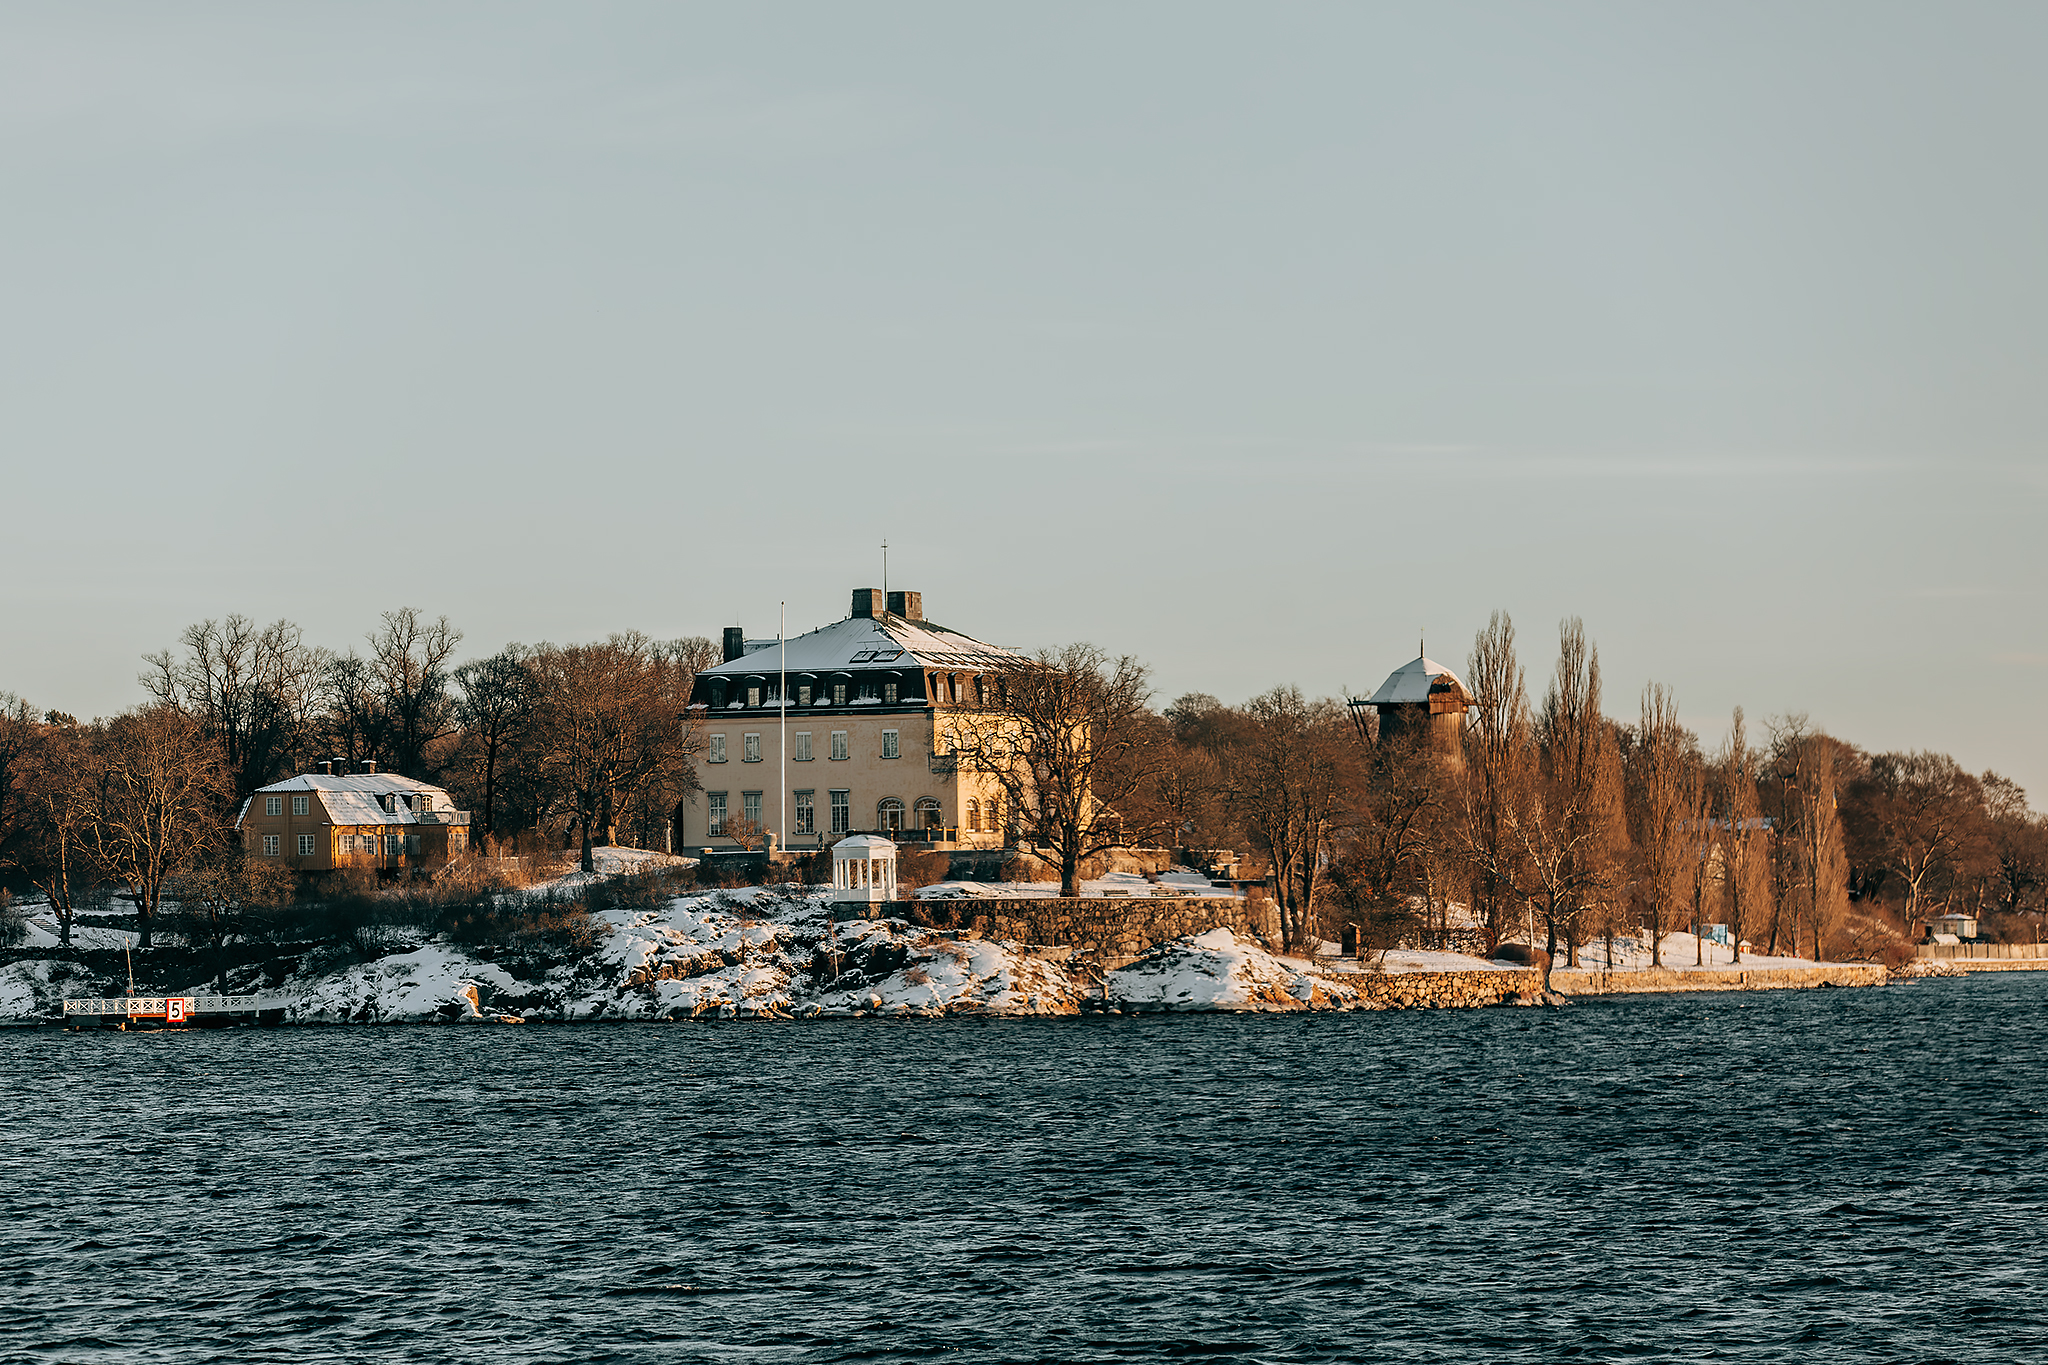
(889, 816)
(973, 816)
(995, 815)
(929, 817)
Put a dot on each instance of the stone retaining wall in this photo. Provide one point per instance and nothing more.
(1442, 990)
(1659, 979)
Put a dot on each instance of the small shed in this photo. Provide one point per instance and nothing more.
(864, 869)
(1952, 929)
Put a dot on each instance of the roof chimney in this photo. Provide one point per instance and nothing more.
(327, 767)
(908, 605)
(868, 602)
(735, 642)
(369, 765)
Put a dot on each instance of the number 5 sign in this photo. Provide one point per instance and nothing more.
(174, 1010)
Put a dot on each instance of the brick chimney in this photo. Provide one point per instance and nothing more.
(868, 602)
(908, 605)
(327, 767)
(370, 765)
(735, 642)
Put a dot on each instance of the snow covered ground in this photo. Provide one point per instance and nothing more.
(1177, 882)
(1681, 953)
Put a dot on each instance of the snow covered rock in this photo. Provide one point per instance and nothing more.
(1218, 971)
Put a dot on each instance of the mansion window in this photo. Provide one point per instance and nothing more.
(750, 748)
(889, 815)
(929, 815)
(806, 813)
(305, 845)
(889, 694)
(750, 807)
(842, 812)
(973, 816)
(803, 695)
(800, 750)
(717, 749)
(839, 694)
(270, 842)
(890, 745)
(273, 805)
(299, 804)
(754, 696)
(716, 801)
(394, 844)
(839, 744)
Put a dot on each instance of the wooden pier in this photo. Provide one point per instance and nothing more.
(172, 1011)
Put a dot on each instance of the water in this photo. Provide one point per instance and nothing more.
(1832, 1175)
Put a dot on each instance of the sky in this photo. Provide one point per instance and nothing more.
(1254, 341)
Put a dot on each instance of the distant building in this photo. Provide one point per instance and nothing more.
(866, 699)
(1950, 929)
(1422, 698)
(317, 822)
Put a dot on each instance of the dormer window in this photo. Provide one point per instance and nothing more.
(888, 694)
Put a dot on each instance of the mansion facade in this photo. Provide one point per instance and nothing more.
(867, 734)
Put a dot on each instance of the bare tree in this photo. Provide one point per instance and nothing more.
(1397, 831)
(2019, 848)
(1066, 739)
(1812, 865)
(1919, 815)
(255, 692)
(611, 718)
(1498, 764)
(1572, 833)
(494, 703)
(226, 890)
(1293, 770)
(58, 785)
(1744, 836)
(409, 659)
(154, 807)
(21, 736)
(1667, 792)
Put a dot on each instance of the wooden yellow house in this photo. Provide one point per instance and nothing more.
(317, 822)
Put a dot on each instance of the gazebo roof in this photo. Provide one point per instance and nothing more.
(864, 846)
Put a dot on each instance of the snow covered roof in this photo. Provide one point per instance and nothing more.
(864, 846)
(379, 784)
(861, 642)
(361, 798)
(1412, 681)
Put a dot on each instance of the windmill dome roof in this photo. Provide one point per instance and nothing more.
(1415, 680)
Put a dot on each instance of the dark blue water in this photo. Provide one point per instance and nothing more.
(1830, 1175)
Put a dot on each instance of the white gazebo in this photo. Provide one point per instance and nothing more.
(864, 869)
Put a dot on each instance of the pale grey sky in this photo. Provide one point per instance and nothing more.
(1247, 339)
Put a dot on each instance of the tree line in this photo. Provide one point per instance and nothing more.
(593, 742)
(1549, 816)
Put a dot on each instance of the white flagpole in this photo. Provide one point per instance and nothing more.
(782, 720)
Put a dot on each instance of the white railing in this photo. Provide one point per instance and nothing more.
(158, 1006)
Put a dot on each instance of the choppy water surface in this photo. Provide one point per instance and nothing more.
(1830, 1175)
